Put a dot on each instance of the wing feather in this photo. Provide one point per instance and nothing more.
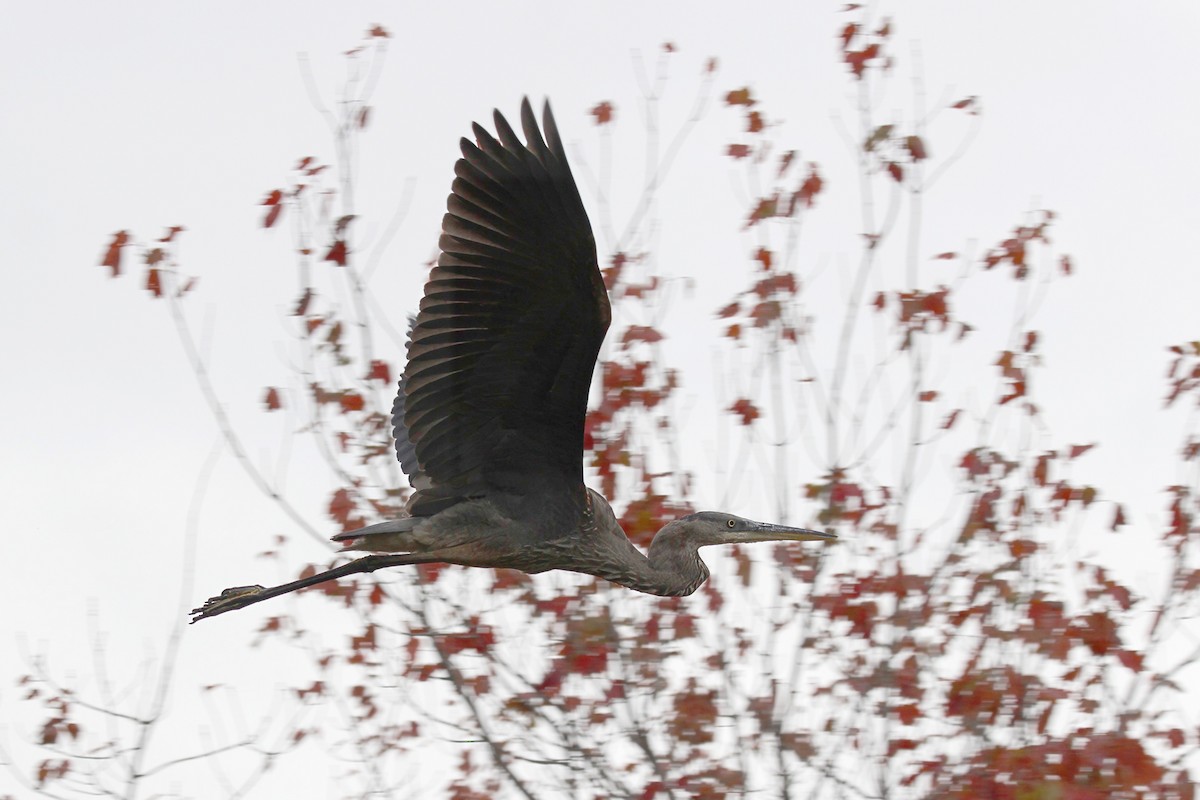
(501, 356)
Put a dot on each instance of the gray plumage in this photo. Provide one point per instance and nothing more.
(489, 413)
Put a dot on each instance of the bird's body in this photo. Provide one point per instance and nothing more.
(489, 413)
(576, 532)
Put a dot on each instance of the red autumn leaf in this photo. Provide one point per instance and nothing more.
(947, 256)
(734, 331)
(785, 161)
(1020, 548)
(948, 423)
(668, 47)
(154, 283)
(746, 410)
(378, 31)
(272, 399)
(764, 257)
(896, 745)
(341, 506)
(1044, 718)
(966, 102)
(1118, 517)
(877, 137)
(783, 283)
(811, 187)
(1065, 265)
(857, 59)
(916, 148)
(862, 617)
(1019, 505)
(652, 790)
(766, 208)
(765, 313)
(302, 303)
(1098, 631)
(1017, 389)
(738, 150)
(848, 33)
(352, 401)
(272, 216)
(935, 303)
(273, 198)
(728, 311)
(603, 112)
(745, 571)
(1131, 660)
(380, 371)
(1079, 449)
(1041, 469)
(1005, 363)
(739, 97)
(337, 253)
(754, 122)
(364, 114)
(171, 233)
(335, 333)
(695, 715)
(896, 171)
(1031, 339)
(640, 333)
(112, 256)
(927, 396)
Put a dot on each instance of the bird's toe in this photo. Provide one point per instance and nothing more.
(228, 600)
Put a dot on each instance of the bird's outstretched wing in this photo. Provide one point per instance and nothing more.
(501, 358)
(406, 451)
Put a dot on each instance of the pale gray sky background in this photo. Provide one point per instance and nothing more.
(141, 115)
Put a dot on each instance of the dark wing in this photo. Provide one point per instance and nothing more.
(406, 451)
(495, 390)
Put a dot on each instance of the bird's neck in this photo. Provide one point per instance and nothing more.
(670, 568)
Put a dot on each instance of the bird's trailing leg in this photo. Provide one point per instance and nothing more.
(242, 596)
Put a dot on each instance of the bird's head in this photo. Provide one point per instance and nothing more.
(674, 553)
(716, 527)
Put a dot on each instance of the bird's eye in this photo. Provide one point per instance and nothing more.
(730, 523)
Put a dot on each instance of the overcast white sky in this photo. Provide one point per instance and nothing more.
(141, 115)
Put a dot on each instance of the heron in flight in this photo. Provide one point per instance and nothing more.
(489, 416)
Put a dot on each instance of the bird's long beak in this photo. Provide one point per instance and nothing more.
(767, 532)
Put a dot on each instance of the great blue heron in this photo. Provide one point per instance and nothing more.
(490, 411)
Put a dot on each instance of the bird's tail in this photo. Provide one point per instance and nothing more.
(392, 536)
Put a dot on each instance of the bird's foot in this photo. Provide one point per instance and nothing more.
(228, 600)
